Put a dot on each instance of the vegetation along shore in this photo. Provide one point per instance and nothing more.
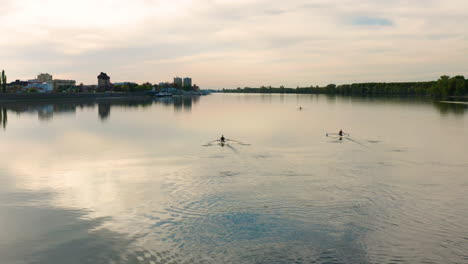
(443, 88)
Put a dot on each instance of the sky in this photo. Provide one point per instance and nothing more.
(229, 44)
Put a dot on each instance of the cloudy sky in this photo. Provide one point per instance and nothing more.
(231, 43)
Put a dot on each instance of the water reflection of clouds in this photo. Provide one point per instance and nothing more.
(174, 211)
(110, 189)
(236, 217)
(39, 233)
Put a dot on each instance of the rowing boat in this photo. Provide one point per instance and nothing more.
(225, 142)
(337, 134)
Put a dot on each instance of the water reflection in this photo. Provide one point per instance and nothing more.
(104, 111)
(65, 235)
(180, 103)
(443, 108)
(142, 189)
(46, 109)
(3, 117)
(451, 108)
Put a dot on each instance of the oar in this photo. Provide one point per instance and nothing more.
(357, 142)
(209, 143)
(242, 143)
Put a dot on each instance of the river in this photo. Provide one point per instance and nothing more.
(135, 181)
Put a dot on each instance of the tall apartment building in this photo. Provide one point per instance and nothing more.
(44, 77)
(178, 82)
(187, 82)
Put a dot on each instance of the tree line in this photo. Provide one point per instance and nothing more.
(444, 87)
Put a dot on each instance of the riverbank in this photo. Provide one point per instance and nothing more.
(67, 96)
(454, 102)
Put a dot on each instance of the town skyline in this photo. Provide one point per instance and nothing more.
(225, 44)
(46, 83)
(43, 77)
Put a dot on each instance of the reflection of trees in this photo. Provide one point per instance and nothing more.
(331, 98)
(195, 99)
(46, 110)
(3, 117)
(64, 108)
(451, 108)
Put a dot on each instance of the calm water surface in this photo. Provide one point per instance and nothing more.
(132, 182)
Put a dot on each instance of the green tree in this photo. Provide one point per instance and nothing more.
(144, 87)
(3, 81)
(460, 84)
(440, 88)
(80, 87)
(331, 88)
(32, 90)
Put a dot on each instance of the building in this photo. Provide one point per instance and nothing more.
(187, 82)
(165, 84)
(103, 81)
(41, 87)
(44, 77)
(62, 84)
(19, 83)
(178, 82)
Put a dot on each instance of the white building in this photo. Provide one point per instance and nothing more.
(41, 87)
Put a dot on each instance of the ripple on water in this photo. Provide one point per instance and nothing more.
(228, 173)
(248, 237)
(257, 223)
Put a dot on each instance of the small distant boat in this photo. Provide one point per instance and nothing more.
(226, 142)
(337, 135)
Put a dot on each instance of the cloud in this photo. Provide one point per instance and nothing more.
(223, 43)
(371, 21)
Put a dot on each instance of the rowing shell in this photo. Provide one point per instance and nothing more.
(337, 135)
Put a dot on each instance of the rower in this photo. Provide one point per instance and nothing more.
(300, 107)
(340, 133)
(222, 139)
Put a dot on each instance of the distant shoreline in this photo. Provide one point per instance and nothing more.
(66, 96)
(453, 102)
(444, 87)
